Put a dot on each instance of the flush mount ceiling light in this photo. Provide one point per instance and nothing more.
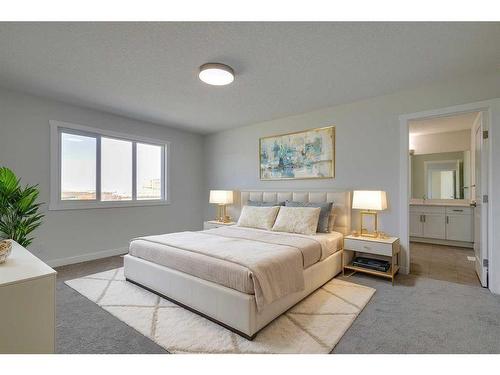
(216, 74)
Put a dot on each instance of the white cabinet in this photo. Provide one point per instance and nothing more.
(435, 226)
(416, 224)
(428, 222)
(460, 224)
(443, 223)
(27, 300)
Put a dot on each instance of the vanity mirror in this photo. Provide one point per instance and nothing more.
(443, 175)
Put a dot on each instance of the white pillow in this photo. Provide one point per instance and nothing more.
(303, 220)
(258, 217)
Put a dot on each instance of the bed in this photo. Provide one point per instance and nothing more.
(242, 278)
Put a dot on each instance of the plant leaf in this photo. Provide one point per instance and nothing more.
(19, 211)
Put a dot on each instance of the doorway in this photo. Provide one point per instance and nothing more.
(449, 240)
(442, 236)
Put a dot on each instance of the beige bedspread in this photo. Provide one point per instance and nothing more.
(310, 249)
(273, 262)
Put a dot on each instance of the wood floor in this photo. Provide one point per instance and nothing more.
(445, 263)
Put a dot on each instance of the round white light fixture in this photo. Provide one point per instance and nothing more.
(216, 74)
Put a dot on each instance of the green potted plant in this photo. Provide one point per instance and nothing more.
(19, 210)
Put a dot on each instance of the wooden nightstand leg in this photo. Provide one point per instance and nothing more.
(342, 260)
(392, 269)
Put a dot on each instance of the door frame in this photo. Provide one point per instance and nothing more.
(487, 107)
(479, 125)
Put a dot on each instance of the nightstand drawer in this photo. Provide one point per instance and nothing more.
(370, 247)
(211, 224)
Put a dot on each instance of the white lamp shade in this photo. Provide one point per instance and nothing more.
(369, 200)
(221, 196)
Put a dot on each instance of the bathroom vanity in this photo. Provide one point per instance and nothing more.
(440, 208)
(444, 223)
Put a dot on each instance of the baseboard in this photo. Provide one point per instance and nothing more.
(403, 270)
(442, 242)
(86, 257)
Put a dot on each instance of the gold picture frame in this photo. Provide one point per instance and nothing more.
(273, 175)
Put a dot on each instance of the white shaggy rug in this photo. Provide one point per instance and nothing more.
(314, 325)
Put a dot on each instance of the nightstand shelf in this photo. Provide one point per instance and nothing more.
(380, 248)
(388, 273)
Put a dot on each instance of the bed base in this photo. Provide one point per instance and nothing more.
(195, 311)
(227, 307)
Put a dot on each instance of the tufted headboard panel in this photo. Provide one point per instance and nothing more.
(341, 200)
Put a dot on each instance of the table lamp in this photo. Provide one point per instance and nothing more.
(369, 202)
(221, 198)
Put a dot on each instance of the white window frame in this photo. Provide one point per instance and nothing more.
(56, 203)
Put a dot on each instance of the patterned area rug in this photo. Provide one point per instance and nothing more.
(314, 325)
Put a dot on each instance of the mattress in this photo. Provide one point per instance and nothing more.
(222, 272)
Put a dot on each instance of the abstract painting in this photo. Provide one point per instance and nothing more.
(299, 155)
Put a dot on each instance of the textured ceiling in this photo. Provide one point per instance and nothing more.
(148, 71)
(443, 124)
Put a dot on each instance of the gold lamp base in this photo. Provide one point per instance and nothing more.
(363, 231)
(222, 216)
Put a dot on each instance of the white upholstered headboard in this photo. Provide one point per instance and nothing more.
(341, 200)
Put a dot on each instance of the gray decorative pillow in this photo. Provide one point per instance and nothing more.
(264, 204)
(324, 214)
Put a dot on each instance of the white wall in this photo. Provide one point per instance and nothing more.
(367, 157)
(367, 140)
(69, 236)
(440, 142)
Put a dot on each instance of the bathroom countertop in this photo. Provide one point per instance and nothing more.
(450, 203)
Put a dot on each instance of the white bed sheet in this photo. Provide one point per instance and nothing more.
(215, 270)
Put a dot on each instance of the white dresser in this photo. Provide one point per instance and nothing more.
(442, 224)
(27, 304)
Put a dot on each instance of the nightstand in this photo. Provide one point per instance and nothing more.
(211, 224)
(381, 248)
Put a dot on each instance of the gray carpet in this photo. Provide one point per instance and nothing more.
(417, 315)
(423, 315)
(83, 327)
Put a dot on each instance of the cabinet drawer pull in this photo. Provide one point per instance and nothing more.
(367, 247)
(447, 219)
(458, 210)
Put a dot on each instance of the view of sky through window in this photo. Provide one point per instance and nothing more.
(116, 169)
(78, 167)
(148, 171)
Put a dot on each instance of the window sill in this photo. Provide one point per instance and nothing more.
(72, 205)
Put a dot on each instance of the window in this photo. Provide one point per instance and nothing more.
(148, 171)
(116, 169)
(78, 167)
(91, 168)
